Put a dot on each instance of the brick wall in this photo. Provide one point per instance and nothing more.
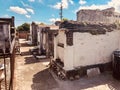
(23, 35)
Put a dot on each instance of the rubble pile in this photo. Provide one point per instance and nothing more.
(92, 28)
(71, 24)
(57, 68)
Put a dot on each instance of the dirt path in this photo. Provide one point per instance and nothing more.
(32, 74)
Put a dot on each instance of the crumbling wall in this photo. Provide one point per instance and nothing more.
(98, 16)
(92, 28)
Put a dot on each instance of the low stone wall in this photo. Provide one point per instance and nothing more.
(57, 68)
(23, 35)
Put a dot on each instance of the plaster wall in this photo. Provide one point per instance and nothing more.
(69, 58)
(60, 51)
(6, 29)
(87, 49)
(39, 38)
(5, 34)
(94, 49)
(31, 33)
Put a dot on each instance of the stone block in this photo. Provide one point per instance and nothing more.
(93, 72)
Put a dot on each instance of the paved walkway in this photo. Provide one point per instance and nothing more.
(32, 74)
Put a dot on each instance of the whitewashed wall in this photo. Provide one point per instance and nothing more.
(69, 57)
(44, 41)
(39, 37)
(94, 49)
(31, 33)
(6, 28)
(5, 34)
(66, 53)
(59, 51)
(87, 49)
(5, 31)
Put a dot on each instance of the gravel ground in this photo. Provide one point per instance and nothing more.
(32, 74)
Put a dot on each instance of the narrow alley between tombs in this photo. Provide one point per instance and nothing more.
(32, 74)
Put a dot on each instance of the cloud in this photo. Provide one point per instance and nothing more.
(71, 1)
(53, 15)
(112, 3)
(93, 6)
(24, 4)
(27, 16)
(57, 6)
(65, 4)
(6, 15)
(54, 19)
(115, 4)
(82, 2)
(30, 10)
(41, 1)
(18, 10)
(22, 11)
(31, 0)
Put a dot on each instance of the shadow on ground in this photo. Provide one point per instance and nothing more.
(25, 53)
(115, 85)
(32, 59)
(101, 81)
(43, 80)
(26, 45)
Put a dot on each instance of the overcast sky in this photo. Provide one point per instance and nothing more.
(47, 11)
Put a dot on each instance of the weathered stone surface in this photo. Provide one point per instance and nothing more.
(98, 16)
(77, 77)
(93, 72)
(93, 28)
(69, 39)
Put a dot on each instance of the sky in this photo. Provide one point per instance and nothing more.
(47, 11)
